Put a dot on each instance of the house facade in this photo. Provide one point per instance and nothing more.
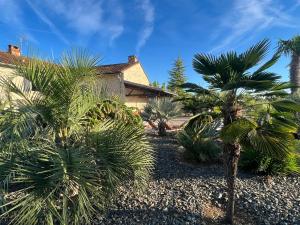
(128, 81)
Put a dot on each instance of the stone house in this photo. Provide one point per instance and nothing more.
(128, 81)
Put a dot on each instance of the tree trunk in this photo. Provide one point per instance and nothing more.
(162, 128)
(295, 72)
(152, 125)
(231, 154)
(231, 158)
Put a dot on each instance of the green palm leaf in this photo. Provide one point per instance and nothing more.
(286, 105)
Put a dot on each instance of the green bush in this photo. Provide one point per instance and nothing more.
(197, 139)
(59, 164)
(261, 163)
(114, 110)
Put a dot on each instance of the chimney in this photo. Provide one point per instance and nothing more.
(132, 59)
(14, 50)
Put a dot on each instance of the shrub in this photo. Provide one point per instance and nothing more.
(71, 185)
(198, 141)
(115, 110)
(261, 163)
(56, 165)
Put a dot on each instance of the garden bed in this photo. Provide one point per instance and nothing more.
(182, 193)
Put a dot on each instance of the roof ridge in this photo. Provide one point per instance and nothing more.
(7, 58)
(115, 68)
(114, 64)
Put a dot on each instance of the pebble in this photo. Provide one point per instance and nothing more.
(178, 191)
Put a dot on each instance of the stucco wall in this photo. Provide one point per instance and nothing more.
(136, 74)
(112, 85)
(137, 98)
(136, 101)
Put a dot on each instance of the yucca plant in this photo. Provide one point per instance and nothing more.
(236, 77)
(57, 167)
(160, 110)
(198, 138)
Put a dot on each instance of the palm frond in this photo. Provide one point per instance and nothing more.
(257, 85)
(205, 64)
(268, 64)
(237, 130)
(289, 47)
(123, 153)
(254, 55)
(230, 71)
(286, 105)
(42, 174)
(39, 73)
(191, 87)
(273, 138)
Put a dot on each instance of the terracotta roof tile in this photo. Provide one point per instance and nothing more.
(8, 58)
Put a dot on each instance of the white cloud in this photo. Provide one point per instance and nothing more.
(114, 20)
(149, 16)
(83, 16)
(47, 21)
(248, 18)
(88, 17)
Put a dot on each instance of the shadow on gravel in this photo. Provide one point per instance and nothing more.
(155, 216)
(152, 216)
(175, 167)
(168, 164)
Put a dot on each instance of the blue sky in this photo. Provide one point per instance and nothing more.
(157, 31)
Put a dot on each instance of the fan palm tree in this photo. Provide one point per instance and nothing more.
(292, 48)
(232, 77)
(58, 167)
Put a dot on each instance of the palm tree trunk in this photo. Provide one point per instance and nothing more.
(162, 128)
(231, 154)
(295, 72)
(231, 158)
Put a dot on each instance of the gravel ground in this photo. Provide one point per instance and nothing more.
(181, 193)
